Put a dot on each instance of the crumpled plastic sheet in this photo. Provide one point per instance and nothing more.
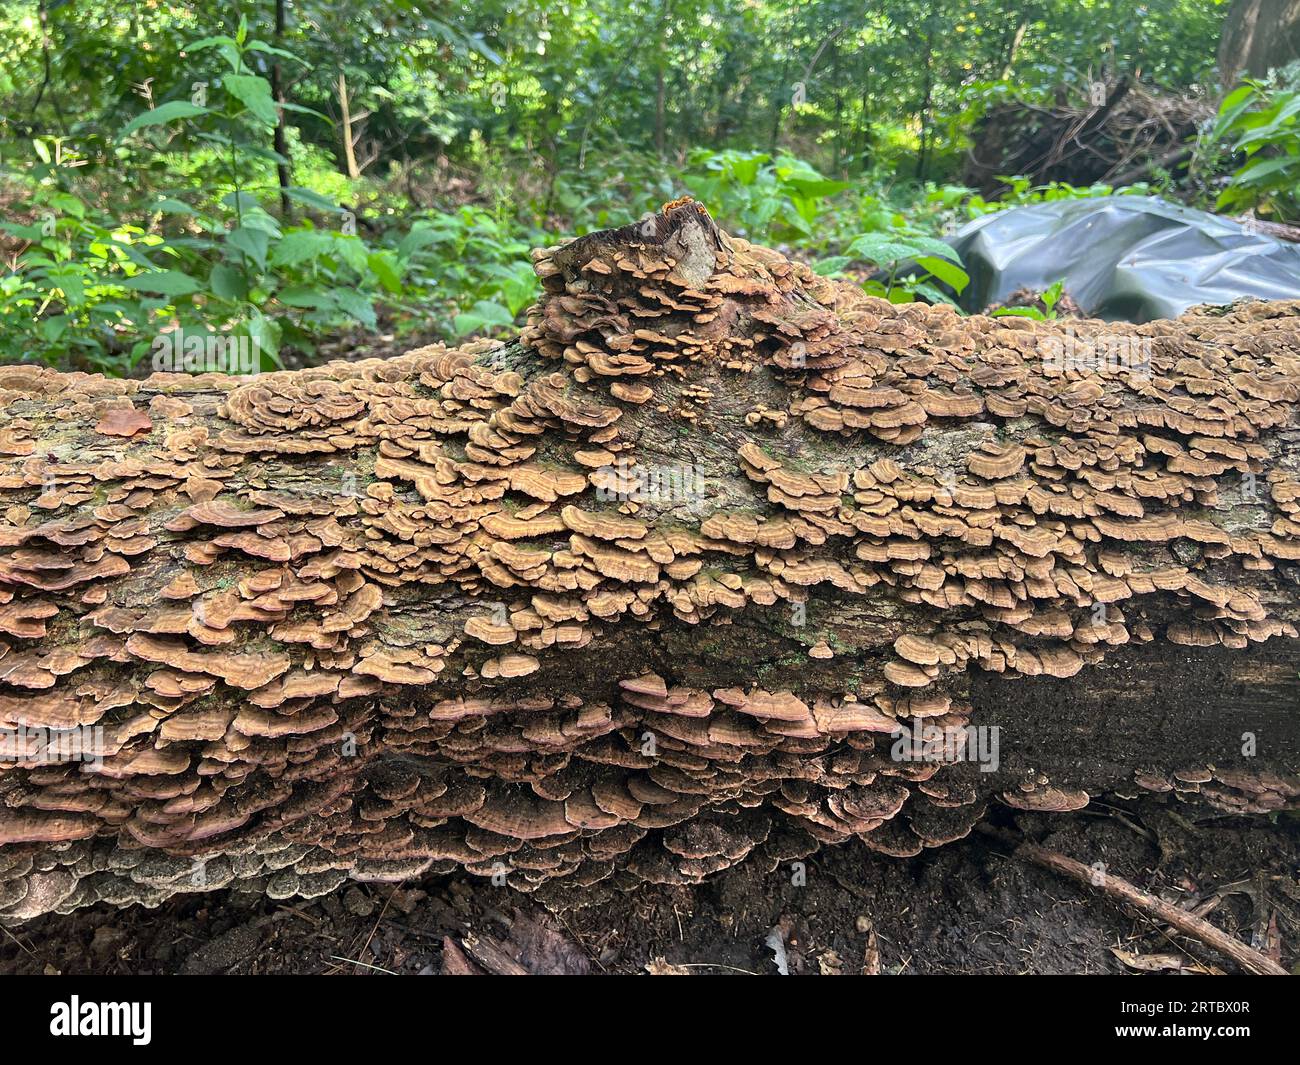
(1124, 258)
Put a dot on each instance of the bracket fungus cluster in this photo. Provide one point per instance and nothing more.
(378, 618)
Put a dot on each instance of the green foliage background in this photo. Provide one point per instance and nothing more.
(186, 165)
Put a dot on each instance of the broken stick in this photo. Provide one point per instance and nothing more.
(1251, 960)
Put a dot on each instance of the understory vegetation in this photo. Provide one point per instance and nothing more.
(296, 173)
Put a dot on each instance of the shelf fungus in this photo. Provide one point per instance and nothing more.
(718, 561)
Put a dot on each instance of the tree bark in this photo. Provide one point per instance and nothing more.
(925, 113)
(697, 569)
(1258, 36)
(1013, 46)
(349, 139)
(281, 139)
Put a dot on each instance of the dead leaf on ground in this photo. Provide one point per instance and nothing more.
(871, 954)
(661, 967)
(1158, 963)
(830, 964)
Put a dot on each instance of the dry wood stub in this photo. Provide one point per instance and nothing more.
(376, 618)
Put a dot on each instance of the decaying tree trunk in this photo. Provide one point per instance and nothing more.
(695, 570)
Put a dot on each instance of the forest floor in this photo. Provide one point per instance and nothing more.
(965, 908)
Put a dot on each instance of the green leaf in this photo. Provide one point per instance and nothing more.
(301, 109)
(816, 186)
(68, 204)
(745, 168)
(831, 265)
(949, 273)
(241, 202)
(931, 246)
(302, 246)
(164, 282)
(877, 248)
(262, 46)
(32, 232)
(266, 333)
(208, 42)
(312, 199)
(1233, 105)
(384, 267)
(251, 242)
(1261, 168)
(308, 297)
(227, 282)
(169, 206)
(421, 236)
(133, 253)
(161, 115)
(254, 93)
(1053, 294)
(483, 315)
(933, 293)
(357, 305)
(352, 250)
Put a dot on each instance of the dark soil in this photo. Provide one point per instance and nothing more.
(965, 908)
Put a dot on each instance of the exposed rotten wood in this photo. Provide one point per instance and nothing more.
(563, 611)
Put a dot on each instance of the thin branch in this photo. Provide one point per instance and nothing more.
(1251, 960)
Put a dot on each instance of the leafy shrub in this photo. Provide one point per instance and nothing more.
(1022, 192)
(477, 264)
(75, 287)
(906, 265)
(88, 288)
(1260, 121)
(761, 197)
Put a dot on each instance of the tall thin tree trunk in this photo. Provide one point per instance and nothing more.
(927, 104)
(778, 106)
(661, 86)
(1009, 62)
(839, 109)
(282, 166)
(349, 150)
(661, 93)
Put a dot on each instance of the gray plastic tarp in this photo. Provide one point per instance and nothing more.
(1123, 258)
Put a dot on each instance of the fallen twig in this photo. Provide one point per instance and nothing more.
(1251, 960)
(364, 965)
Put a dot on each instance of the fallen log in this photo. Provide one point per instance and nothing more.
(693, 571)
(1280, 230)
